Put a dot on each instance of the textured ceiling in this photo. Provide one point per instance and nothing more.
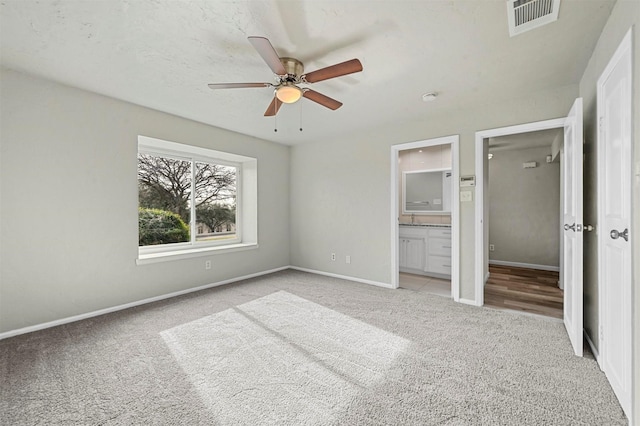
(162, 53)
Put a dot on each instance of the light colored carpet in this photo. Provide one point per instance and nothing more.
(294, 348)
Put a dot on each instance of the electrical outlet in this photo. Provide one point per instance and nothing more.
(348, 259)
(333, 257)
(492, 247)
(207, 264)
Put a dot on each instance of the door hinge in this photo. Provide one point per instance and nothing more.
(601, 336)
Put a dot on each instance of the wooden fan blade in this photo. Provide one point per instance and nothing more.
(268, 53)
(322, 99)
(237, 85)
(274, 106)
(338, 70)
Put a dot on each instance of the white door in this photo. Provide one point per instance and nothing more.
(614, 217)
(572, 226)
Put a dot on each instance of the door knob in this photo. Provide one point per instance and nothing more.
(615, 234)
(572, 227)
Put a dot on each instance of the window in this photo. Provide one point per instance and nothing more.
(192, 200)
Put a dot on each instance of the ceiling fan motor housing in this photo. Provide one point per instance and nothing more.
(293, 67)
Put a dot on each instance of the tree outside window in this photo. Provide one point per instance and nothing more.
(171, 190)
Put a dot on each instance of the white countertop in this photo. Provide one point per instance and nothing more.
(428, 225)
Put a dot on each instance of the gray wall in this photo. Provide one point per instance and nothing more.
(68, 219)
(625, 14)
(524, 207)
(340, 189)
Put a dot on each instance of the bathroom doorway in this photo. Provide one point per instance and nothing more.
(425, 216)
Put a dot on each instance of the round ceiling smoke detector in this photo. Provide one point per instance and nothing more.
(428, 97)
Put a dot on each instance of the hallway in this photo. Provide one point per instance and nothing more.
(529, 290)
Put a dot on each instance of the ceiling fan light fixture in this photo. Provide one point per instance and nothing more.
(288, 94)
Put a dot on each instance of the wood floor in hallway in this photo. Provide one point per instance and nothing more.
(528, 290)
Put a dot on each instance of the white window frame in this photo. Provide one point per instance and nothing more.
(246, 202)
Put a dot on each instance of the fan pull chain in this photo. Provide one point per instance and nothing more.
(300, 116)
(275, 115)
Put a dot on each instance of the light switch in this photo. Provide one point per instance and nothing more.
(466, 196)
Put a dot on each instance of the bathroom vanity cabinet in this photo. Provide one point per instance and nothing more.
(425, 250)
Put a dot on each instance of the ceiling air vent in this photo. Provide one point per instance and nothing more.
(525, 15)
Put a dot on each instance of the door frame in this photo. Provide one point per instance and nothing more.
(480, 238)
(624, 48)
(454, 141)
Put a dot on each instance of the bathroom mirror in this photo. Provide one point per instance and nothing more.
(426, 192)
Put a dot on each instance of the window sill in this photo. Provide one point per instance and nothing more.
(167, 256)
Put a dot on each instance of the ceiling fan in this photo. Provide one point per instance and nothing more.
(289, 75)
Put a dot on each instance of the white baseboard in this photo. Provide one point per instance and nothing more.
(594, 351)
(344, 277)
(32, 328)
(525, 265)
